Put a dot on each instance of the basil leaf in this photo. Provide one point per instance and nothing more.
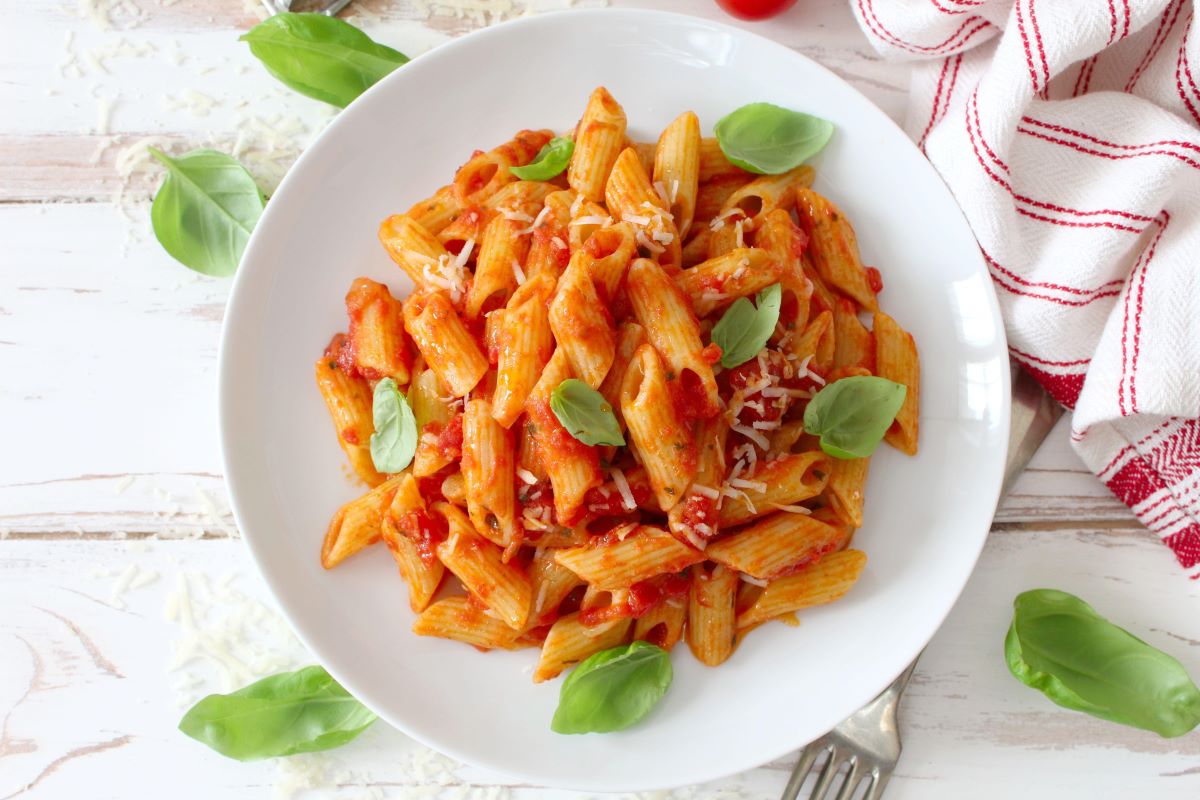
(585, 413)
(394, 442)
(550, 161)
(613, 689)
(1060, 646)
(768, 139)
(205, 210)
(292, 712)
(744, 330)
(321, 57)
(852, 415)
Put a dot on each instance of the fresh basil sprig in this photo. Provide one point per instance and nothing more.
(550, 161)
(321, 57)
(394, 442)
(585, 413)
(744, 329)
(205, 210)
(281, 715)
(613, 689)
(1060, 646)
(851, 415)
(767, 139)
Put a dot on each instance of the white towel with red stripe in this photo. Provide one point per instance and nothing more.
(1069, 133)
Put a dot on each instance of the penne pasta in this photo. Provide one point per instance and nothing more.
(896, 359)
(846, 490)
(436, 212)
(717, 282)
(462, 620)
(711, 628)
(663, 624)
(784, 481)
(834, 248)
(479, 564)
(631, 197)
(776, 545)
(660, 438)
(376, 340)
(524, 344)
(487, 173)
(712, 163)
(570, 641)
(818, 584)
(357, 523)
(488, 471)
(348, 399)
(444, 341)
(677, 168)
(582, 326)
(599, 139)
(616, 563)
(498, 268)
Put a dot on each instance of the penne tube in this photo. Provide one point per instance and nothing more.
(728, 232)
(641, 555)
(422, 257)
(711, 628)
(817, 584)
(786, 243)
(717, 282)
(549, 250)
(853, 345)
(663, 624)
(630, 336)
(657, 435)
(767, 193)
(348, 400)
(570, 641)
(524, 344)
(582, 326)
(462, 620)
(520, 198)
(663, 310)
(712, 163)
(776, 544)
(444, 342)
(487, 173)
(488, 471)
(845, 491)
(833, 248)
(694, 519)
(551, 583)
(631, 197)
(896, 360)
(572, 466)
(528, 457)
(817, 344)
(357, 524)
(784, 481)
(646, 152)
(466, 230)
(677, 168)
(611, 249)
(422, 578)
(436, 212)
(498, 267)
(599, 139)
(712, 196)
(376, 339)
(479, 564)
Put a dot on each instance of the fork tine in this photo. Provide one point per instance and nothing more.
(852, 779)
(878, 785)
(808, 757)
(828, 773)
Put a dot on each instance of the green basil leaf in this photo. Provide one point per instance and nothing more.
(1060, 646)
(394, 442)
(550, 161)
(743, 329)
(852, 415)
(281, 715)
(205, 210)
(613, 689)
(321, 57)
(768, 139)
(585, 413)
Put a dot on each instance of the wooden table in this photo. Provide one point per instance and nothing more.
(124, 591)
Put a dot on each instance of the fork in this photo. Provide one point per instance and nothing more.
(868, 742)
(329, 7)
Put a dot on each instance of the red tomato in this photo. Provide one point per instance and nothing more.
(755, 9)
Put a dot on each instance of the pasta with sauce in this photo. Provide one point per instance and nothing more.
(718, 512)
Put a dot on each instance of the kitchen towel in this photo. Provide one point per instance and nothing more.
(1069, 132)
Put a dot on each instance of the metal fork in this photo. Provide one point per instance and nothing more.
(868, 742)
(329, 8)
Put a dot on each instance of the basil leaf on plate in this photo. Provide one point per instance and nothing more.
(613, 689)
(394, 442)
(744, 329)
(281, 715)
(205, 210)
(768, 139)
(321, 57)
(1060, 646)
(585, 413)
(851, 415)
(550, 161)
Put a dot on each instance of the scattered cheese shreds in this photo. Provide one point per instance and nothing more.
(791, 509)
(526, 476)
(752, 435)
(628, 502)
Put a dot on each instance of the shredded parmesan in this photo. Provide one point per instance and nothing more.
(713, 297)
(636, 219)
(662, 237)
(764, 425)
(741, 483)
(780, 391)
(619, 480)
(541, 598)
(674, 190)
(516, 216)
(518, 273)
(576, 205)
(741, 240)
(537, 221)
(661, 190)
(752, 435)
(591, 219)
(791, 509)
(526, 476)
(694, 539)
(754, 581)
(645, 242)
(718, 221)
(706, 491)
(559, 243)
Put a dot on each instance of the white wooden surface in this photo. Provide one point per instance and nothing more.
(112, 509)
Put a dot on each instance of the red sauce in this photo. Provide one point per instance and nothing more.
(750, 373)
(349, 435)
(700, 510)
(874, 280)
(430, 486)
(607, 501)
(334, 348)
(559, 448)
(688, 397)
(426, 531)
(643, 596)
(449, 437)
(711, 353)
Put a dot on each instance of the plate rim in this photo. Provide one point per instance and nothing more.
(235, 312)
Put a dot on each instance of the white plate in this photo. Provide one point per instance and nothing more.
(926, 517)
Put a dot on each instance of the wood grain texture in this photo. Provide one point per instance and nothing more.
(111, 496)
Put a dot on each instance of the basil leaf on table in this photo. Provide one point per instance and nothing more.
(613, 689)
(281, 715)
(768, 139)
(744, 329)
(585, 413)
(394, 442)
(550, 161)
(321, 57)
(205, 210)
(851, 415)
(1060, 646)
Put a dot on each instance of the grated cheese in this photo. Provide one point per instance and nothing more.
(515, 216)
(750, 579)
(742, 483)
(576, 205)
(741, 241)
(791, 509)
(526, 476)
(645, 242)
(662, 237)
(661, 190)
(541, 598)
(559, 243)
(636, 219)
(518, 273)
(622, 483)
(706, 491)
(537, 221)
(781, 391)
(674, 190)
(752, 435)
(764, 425)
(591, 219)
(123, 484)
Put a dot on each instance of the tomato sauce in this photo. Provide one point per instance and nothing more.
(450, 438)
(607, 501)
(643, 596)
(874, 280)
(539, 500)
(426, 531)
(700, 510)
